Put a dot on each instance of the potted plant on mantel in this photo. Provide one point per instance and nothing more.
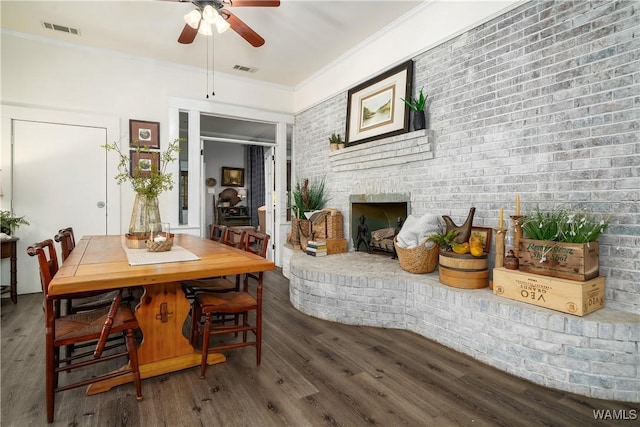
(9, 222)
(307, 197)
(148, 181)
(417, 105)
(335, 142)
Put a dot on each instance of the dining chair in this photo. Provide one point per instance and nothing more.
(67, 241)
(216, 306)
(95, 325)
(87, 300)
(230, 236)
(217, 232)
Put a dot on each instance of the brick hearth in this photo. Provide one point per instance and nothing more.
(595, 355)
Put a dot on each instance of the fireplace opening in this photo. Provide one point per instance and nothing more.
(381, 211)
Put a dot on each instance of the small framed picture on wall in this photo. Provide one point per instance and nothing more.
(232, 177)
(142, 162)
(144, 134)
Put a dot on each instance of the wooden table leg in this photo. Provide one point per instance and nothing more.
(161, 314)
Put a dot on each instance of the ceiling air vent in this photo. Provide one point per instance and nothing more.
(245, 68)
(62, 28)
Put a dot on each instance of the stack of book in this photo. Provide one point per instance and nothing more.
(317, 248)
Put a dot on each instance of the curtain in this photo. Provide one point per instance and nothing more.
(254, 164)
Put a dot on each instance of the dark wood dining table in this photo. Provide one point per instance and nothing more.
(101, 263)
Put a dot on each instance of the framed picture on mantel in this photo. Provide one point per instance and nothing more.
(375, 109)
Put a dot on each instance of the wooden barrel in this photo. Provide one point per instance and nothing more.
(463, 270)
(465, 262)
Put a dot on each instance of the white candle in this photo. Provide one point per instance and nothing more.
(517, 205)
(501, 222)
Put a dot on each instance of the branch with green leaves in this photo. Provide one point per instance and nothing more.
(150, 182)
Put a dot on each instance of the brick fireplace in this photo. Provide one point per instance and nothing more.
(380, 210)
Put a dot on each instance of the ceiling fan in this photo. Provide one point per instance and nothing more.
(209, 13)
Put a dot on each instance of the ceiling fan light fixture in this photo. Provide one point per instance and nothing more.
(205, 29)
(221, 24)
(209, 14)
(193, 18)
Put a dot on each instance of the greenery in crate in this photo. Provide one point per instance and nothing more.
(308, 197)
(563, 226)
(151, 183)
(9, 222)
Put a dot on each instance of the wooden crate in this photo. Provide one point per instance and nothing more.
(569, 296)
(573, 261)
(336, 246)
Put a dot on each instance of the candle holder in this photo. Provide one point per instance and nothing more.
(500, 235)
(517, 221)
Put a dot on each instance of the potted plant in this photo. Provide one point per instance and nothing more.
(444, 240)
(148, 181)
(417, 105)
(561, 244)
(307, 197)
(335, 142)
(9, 222)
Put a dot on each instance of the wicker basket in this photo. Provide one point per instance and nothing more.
(329, 225)
(163, 246)
(417, 260)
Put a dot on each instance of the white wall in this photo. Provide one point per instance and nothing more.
(40, 73)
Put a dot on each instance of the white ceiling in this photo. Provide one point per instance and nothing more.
(302, 36)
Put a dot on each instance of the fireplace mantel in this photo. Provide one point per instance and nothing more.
(396, 150)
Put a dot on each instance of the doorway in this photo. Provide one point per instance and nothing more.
(191, 120)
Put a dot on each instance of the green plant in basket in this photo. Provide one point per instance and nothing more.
(308, 197)
(562, 226)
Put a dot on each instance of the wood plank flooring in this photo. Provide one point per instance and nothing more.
(313, 373)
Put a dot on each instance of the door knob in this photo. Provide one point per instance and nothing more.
(101, 204)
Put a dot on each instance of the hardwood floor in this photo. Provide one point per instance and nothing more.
(313, 373)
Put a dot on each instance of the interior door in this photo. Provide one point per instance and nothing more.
(59, 180)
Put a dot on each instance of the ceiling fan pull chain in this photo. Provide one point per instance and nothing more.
(213, 64)
(207, 75)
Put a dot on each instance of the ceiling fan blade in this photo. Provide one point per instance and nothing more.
(187, 35)
(243, 29)
(258, 3)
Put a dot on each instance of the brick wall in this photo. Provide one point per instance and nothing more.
(541, 101)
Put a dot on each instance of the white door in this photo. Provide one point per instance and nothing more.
(59, 180)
